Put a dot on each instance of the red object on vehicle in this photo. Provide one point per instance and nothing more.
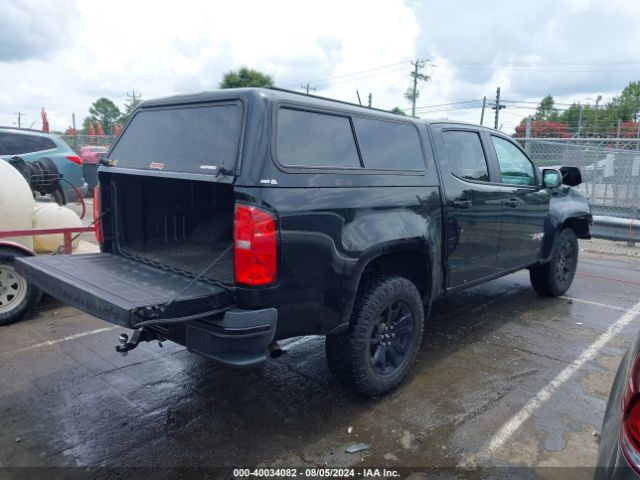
(97, 226)
(74, 159)
(45, 121)
(254, 246)
(630, 434)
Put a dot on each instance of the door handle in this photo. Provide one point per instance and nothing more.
(460, 203)
(512, 202)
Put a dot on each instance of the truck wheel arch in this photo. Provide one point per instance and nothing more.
(26, 295)
(402, 260)
(17, 246)
(579, 224)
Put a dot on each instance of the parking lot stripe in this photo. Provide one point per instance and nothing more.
(49, 343)
(595, 304)
(611, 279)
(514, 423)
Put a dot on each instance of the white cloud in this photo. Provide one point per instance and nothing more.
(160, 48)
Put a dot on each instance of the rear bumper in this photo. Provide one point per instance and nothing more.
(240, 338)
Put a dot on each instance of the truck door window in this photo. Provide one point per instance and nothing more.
(515, 167)
(313, 139)
(465, 155)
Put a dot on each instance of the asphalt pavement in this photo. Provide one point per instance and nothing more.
(504, 378)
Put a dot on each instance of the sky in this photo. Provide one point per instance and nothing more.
(64, 54)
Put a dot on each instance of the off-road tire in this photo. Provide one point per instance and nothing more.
(12, 284)
(554, 278)
(351, 354)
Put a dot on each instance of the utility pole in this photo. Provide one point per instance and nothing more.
(497, 107)
(595, 128)
(19, 114)
(135, 100)
(75, 133)
(484, 105)
(307, 88)
(579, 132)
(412, 93)
(370, 98)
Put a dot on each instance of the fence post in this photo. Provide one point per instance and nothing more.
(527, 147)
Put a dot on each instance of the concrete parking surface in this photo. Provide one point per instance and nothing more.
(504, 377)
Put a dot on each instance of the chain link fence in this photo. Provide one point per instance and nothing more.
(78, 141)
(610, 169)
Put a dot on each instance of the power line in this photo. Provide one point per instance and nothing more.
(471, 107)
(328, 79)
(607, 62)
(450, 103)
(484, 65)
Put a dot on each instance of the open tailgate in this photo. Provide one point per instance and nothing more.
(114, 288)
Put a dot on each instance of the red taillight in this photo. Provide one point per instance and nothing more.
(74, 159)
(254, 246)
(97, 227)
(631, 417)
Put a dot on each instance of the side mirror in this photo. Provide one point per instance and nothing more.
(571, 176)
(551, 178)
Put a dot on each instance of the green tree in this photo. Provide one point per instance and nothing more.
(546, 109)
(398, 110)
(85, 126)
(246, 77)
(628, 103)
(106, 112)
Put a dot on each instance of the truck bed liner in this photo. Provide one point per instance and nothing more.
(113, 287)
(191, 258)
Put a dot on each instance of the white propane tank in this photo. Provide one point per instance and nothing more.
(52, 215)
(16, 203)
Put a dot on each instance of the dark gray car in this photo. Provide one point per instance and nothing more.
(619, 452)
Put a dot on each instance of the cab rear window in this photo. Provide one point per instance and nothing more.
(192, 139)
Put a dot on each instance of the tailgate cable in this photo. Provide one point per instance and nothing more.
(153, 312)
(60, 249)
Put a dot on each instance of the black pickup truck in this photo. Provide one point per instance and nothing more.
(233, 219)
